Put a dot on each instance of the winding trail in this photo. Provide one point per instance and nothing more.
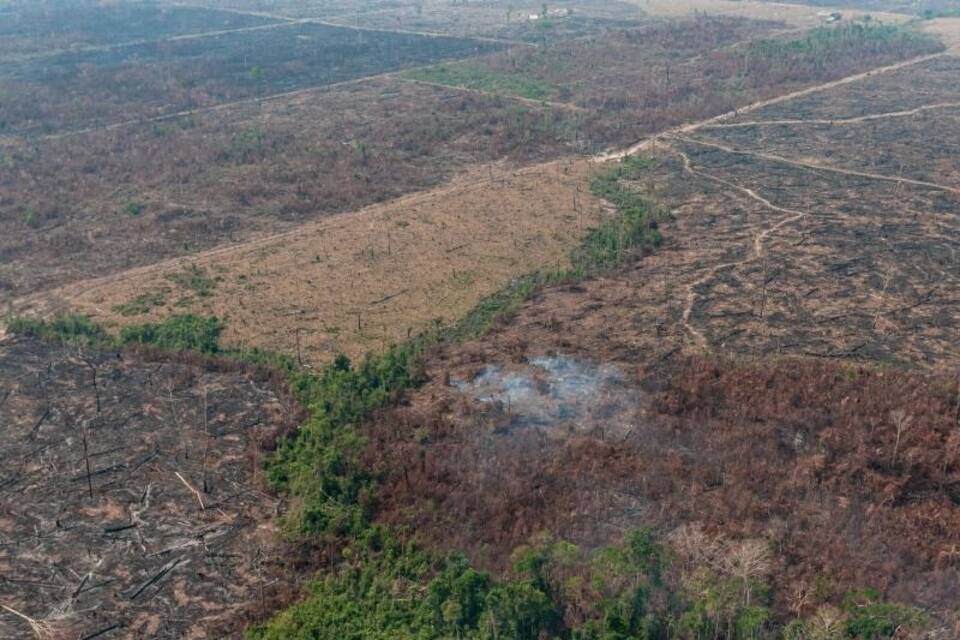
(759, 239)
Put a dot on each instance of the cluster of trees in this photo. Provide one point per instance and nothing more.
(185, 332)
(830, 52)
(696, 588)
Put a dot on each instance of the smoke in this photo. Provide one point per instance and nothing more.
(559, 394)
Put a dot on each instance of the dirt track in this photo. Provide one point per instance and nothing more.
(644, 145)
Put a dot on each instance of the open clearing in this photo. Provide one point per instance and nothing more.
(359, 282)
(779, 378)
(362, 280)
(36, 30)
(95, 88)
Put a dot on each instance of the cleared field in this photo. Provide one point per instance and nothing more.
(910, 7)
(637, 82)
(104, 201)
(491, 18)
(93, 88)
(36, 28)
(362, 280)
(948, 30)
(129, 490)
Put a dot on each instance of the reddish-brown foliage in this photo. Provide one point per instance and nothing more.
(799, 452)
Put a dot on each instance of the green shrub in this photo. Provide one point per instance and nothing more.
(72, 329)
(177, 333)
(194, 278)
(870, 618)
(143, 303)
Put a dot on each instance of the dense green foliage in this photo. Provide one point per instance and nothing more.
(71, 329)
(388, 590)
(177, 333)
(634, 226)
(317, 466)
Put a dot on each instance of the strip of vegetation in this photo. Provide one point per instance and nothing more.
(176, 333)
(823, 46)
(470, 75)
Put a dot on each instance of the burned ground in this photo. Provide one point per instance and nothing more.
(264, 168)
(96, 88)
(129, 495)
(32, 29)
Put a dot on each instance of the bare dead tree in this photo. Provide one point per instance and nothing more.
(902, 423)
(206, 442)
(93, 371)
(86, 460)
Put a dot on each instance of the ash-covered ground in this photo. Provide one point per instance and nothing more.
(129, 505)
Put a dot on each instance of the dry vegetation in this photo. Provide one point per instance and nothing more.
(774, 391)
(795, 14)
(811, 279)
(129, 504)
(804, 455)
(362, 280)
(102, 202)
(502, 19)
(631, 83)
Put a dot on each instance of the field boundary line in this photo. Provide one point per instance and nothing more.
(77, 288)
(819, 167)
(327, 23)
(837, 121)
(223, 106)
(146, 41)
